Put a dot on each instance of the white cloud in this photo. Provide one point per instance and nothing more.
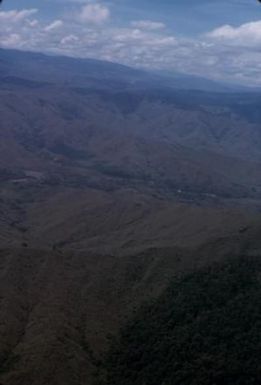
(15, 16)
(11, 41)
(227, 53)
(246, 34)
(70, 39)
(94, 13)
(54, 25)
(148, 25)
(33, 23)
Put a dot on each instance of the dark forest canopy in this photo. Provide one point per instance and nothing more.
(204, 330)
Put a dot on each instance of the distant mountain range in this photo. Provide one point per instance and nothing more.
(99, 74)
(113, 181)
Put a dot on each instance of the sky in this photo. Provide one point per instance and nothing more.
(217, 39)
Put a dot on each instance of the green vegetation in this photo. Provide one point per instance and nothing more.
(204, 330)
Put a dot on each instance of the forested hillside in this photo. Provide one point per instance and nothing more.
(204, 329)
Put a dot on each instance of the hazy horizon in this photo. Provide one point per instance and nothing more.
(219, 40)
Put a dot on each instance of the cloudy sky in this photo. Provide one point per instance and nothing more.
(219, 39)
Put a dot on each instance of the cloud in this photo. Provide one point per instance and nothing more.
(13, 40)
(226, 53)
(248, 34)
(54, 25)
(70, 39)
(148, 25)
(33, 23)
(15, 16)
(94, 13)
